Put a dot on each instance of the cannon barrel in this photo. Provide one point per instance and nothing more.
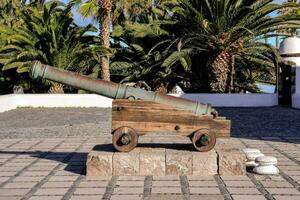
(114, 90)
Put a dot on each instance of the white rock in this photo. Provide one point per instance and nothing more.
(266, 170)
(252, 156)
(251, 150)
(251, 164)
(266, 160)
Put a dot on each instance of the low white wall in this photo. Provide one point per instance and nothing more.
(7, 102)
(235, 100)
(12, 101)
(297, 80)
(296, 101)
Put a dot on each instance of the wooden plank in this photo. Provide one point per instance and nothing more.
(163, 116)
(156, 127)
(148, 116)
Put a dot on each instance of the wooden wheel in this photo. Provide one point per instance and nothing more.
(204, 140)
(124, 139)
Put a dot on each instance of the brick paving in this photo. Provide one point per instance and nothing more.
(52, 166)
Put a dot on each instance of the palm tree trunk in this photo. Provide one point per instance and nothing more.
(219, 71)
(56, 88)
(105, 9)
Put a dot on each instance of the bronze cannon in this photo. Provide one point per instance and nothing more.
(137, 112)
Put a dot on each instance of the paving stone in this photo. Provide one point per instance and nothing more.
(166, 190)
(276, 184)
(93, 184)
(236, 190)
(128, 190)
(89, 191)
(200, 178)
(126, 164)
(201, 183)
(165, 197)
(68, 173)
(20, 185)
(130, 183)
(51, 191)
(165, 184)
(152, 162)
(46, 198)
(64, 184)
(63, 178)
(285, 197)
(248, 197)
(131, 178)
(126, 197)
(35, 173)
(178, 162)
(11, 198)
(28, 179)
(7, 174)
(231, 162)
(235, 178)
(13, 192)
(86, 197)
(11, 169)
(204, 190)
(206, 197)
(205, 163)
(3, 179)
(23, 164)
(282, 191)
(239, 184)
(165, 178)
(98, 178)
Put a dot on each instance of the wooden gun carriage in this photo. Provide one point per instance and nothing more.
(137, 112)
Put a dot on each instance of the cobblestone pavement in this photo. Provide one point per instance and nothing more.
(38, 165)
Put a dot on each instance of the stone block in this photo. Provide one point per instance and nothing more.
(99, 163)
(179, 162)
(231, 162)
(126, 164)
(205, 163)
(152, 162)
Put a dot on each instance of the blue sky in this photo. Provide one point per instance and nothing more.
(83, 22)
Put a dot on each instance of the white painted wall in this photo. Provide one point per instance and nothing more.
(235, 100)
(13, 101)
(7, 102)
(296, 101)
(296, 96)
(297, 81)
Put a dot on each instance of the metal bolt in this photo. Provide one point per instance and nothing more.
(205, 140)
(125, 139)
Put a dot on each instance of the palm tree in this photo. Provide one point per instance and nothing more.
(109, 13)
(101, 11)
(48, 34)
(288, 11)
(226, 32)
(212, 45)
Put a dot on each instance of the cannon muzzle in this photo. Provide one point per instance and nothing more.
(114, 90)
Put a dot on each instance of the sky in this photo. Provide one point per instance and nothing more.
(85, 21)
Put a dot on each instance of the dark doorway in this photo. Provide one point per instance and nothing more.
(286, 77)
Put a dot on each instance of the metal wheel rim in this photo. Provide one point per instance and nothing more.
(197, 140)
(117, 139)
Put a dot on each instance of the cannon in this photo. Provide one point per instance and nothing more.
(136, 112)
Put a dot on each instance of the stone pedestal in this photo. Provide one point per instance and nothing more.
(161, 161)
